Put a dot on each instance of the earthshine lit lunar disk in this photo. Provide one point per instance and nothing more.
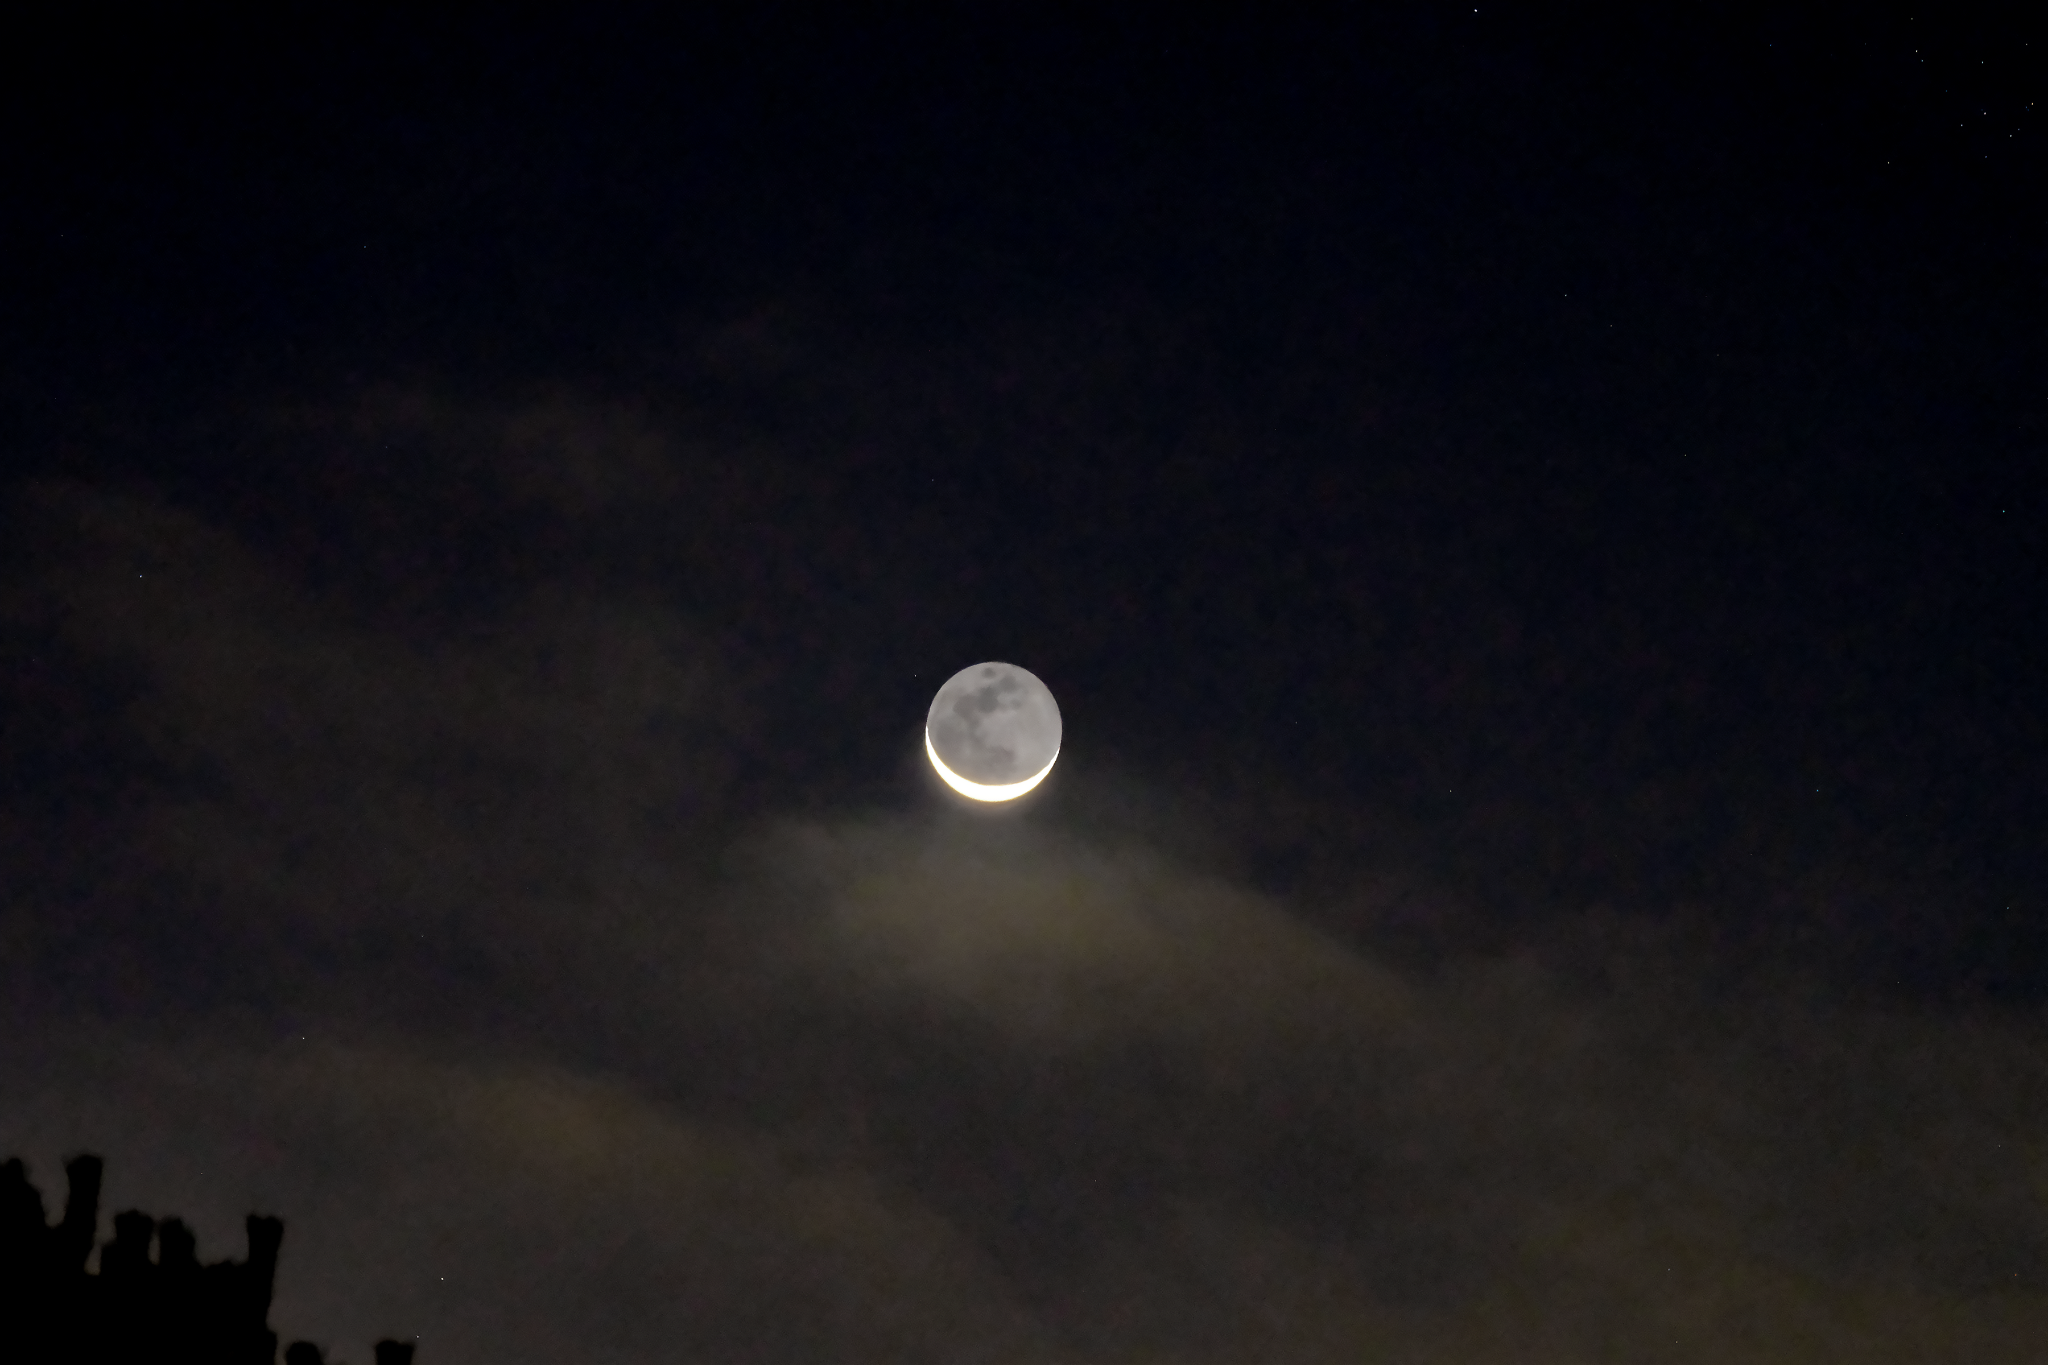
(993, 732)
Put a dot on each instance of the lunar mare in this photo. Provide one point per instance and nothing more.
(993, 732)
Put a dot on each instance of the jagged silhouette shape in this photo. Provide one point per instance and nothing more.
(166, 1309)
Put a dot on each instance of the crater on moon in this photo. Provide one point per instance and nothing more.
(993, 725)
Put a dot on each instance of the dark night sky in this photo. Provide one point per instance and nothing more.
(1534, 525)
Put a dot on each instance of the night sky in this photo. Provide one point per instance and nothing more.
(1534, 524)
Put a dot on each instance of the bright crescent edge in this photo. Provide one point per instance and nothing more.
(975, 790)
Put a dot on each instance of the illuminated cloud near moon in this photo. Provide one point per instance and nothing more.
(993, 732)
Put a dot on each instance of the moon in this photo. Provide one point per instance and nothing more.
(993, 732)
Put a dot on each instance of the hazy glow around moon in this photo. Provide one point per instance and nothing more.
(993, 732)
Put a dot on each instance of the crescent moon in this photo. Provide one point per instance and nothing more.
(1009, 791)
(989, 726)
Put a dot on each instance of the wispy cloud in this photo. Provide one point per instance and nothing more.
(453, 922)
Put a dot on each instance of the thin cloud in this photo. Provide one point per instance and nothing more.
(467, 937)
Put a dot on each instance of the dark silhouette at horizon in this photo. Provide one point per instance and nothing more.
(168, 1309)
